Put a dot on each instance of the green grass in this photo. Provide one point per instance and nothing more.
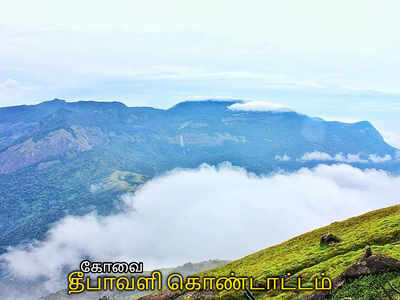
(370, 287)
(303, 255)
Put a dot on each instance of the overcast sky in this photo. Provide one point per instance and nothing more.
(335, 59)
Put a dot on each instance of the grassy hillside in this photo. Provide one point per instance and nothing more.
(303, 255)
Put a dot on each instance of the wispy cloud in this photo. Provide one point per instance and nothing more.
(344, 158)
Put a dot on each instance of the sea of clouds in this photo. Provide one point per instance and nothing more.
(193, 215)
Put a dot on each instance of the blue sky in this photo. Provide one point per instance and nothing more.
(336, 59)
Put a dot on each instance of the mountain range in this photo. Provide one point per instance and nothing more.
(61, 158)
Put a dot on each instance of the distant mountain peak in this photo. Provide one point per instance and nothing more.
(54, 101)
(57, 100)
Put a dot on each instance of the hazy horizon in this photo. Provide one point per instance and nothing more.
(335, 60)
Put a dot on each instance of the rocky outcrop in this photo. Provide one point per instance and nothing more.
(369, 264)
(329, 239)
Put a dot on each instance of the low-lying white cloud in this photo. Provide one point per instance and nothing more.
(317, 155)
(209, 212)
(258, 106)
(349, 158)
(344, 158)
(378, 159)
(284, 157)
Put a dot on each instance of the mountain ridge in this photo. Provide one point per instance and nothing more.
(54, 155)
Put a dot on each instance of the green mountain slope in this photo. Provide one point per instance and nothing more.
(304, 256)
